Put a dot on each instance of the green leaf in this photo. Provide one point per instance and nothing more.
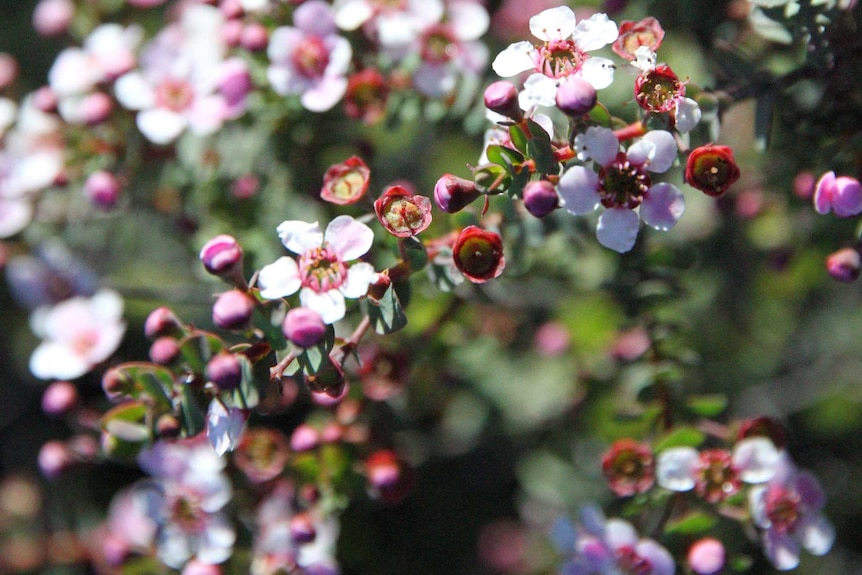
(387, 316)
(681, 437)
(707, 405)
(519, 138)
(312, 359)
(516, 187)
(417, 255)
(539, 149)
(198, 348)
(492, 178)
(600, 115)
(691, 523)
(504, 156)
(193, 418)
(268, 320)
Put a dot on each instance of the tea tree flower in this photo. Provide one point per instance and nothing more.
(843, 195)
(346, 182)
(322, 273)
(402, 212)
(629, 467)
(788, 509)
(77, 334)
(564, 52)
(478, 254)
(309, 59)
(622, 185)
(633, 35)
(711, 169)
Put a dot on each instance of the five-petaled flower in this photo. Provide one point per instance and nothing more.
(322, 273)
(622, 185)
(564, 53)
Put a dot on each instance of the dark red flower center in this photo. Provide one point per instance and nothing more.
(623, 184)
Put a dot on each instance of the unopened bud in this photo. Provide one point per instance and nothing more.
(540, 198)
(844, 265)
(53, 17)
(452, 194)
(502, 97)
(576, 97)
(161, 321)
(254, 37)
(222, 256)
(706, 556)
(54, 459)
(168, 426)
(102, 188)
(59, 398)
(303, 326)
(233, 310)
(225, 370)
(95, 108)
(164, 350)
(304, 438)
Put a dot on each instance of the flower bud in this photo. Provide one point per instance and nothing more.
(59, 398)
(102, 188)
(168, 426)
(366, 95)
(478, 254)
(233, 310)
(304, 438)
(711, 169)
(706, 556)
(222, 256)
(225, 370)
(245, 187)
(389, 475)
(45, 100)
(576, 97)
(844, 265)
(303, 326)
(95, 108)
(302, 528)
(53, 17)
(540, 198)
(629, 467)
(502, 97)
(452, 194)
(843, 195)
(345, 183)
(54, 459)
(234, 84)
(402, 213)
(164, 350)
(116, 384)
(161, 321)
(254, 37)
(8, 70)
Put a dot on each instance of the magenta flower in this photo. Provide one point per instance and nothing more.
(564, 52)
(788, 509)
(309, 59)
(322, 273)
(843, 195)
(622, 185)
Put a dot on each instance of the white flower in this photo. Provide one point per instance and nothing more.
(322, 273)
(77, 334)
(563, 54)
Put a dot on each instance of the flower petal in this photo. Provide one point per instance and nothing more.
(348, 238)
(598, 144)
(824, 192)
(300, 237)
(662, 207)
(847, 200)
(595, 32)
(279, 279)
(687, 116)
(539, 90)
(324, 95)
(664, 150)
(755, 458)
(160, 125)
(816, 533)
(618, 229)
(514, 59)
(578, 190)
(553, 24)
(781, 549)
(359, 276)
(51, 360)
(329, 304)
(224, 427)
(598, 71)
(675, 468)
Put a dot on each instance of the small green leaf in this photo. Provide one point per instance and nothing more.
(600, 115)
(192, 417)
(198, 348)
(520, 180)
(492, 178)
(504, 156)
(707, 405)
(691, 524)
(387, 316)
(539, 149)
(681, 437)
(518, 137)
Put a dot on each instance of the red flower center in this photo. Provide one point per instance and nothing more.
(782, 509)
(623, 184)
(321, 270)
(311, 57)
(175, 95)
(560, 58)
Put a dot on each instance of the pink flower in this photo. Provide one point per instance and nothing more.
(77, 334)
(309, 59)
(322, 273)
(395, 25)
(564, 53)
(623, 185)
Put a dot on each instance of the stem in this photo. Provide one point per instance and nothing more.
(633, 130)
(277, 371)
(351, 342)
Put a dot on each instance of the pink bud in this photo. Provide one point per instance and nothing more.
(245, 187)
(502, 97)
(102, 188)
(54, 459)
(843, 195)
(706, 556)
(552, 339)
(96, 108)
(8, 70)
(225, 370)
(576, 97)
(161, 321)
(303, 326)
(231, 9)
(52, 17)
(304, 438)
(222, 256)
(844, 265)
(231, 32)
(234, 81)
(254, 37)
(302, 528)
(164, 350)
(540, 198)
(45, 100)
(233, 310)
(59, 398)
(452, 194)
